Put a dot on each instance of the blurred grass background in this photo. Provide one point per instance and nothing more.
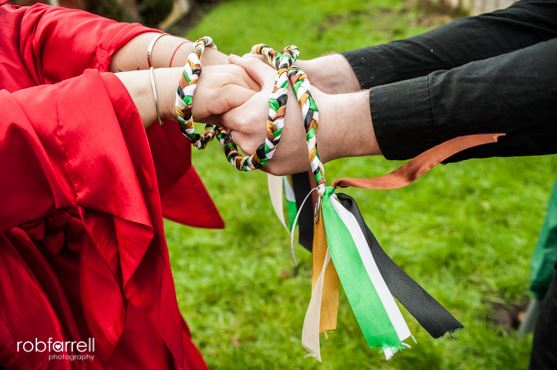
(465, 232)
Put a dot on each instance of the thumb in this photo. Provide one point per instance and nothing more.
(230, 97)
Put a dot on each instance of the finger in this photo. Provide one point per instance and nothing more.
(245, 142)
(234, 74)
(259, 71)
(242, 78)
(230, 97)
(232, 120)
(255, 56)
(233, 58)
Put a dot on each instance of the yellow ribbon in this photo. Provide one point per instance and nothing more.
(329, 300)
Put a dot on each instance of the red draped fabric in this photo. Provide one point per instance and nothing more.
(83, 189)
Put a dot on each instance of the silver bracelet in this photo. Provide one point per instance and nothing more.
(155, 96)
(151, 47)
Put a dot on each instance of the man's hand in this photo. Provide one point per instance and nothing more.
(345, 128)
(221, 88)
(247, 122)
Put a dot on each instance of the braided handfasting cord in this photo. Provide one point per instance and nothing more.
(184, 96)
(310, 115)
(282, 62)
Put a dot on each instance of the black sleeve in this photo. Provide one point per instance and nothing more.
(473, 38)
(513, 93)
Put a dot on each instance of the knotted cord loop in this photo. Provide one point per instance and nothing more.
(310, 116)
(184, 96)
(282, 62)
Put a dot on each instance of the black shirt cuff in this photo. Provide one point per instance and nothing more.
(402, 118)
(371, 66)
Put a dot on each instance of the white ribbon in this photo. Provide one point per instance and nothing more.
(312, 320)
(274, 184)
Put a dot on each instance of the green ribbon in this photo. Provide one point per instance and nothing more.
(366, 304)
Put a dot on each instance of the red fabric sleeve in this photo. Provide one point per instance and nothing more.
(36, 155)
(59, 43)
(61, 149)
(31, 176)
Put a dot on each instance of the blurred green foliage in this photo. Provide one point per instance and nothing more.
(465, 231)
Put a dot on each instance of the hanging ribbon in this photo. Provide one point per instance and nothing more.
(433, 317)
(419, 165)
(345, 228)
(321, 315)
(291, 201)
(275, 186)
(373, 305)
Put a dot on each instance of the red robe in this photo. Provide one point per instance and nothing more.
(83, 189)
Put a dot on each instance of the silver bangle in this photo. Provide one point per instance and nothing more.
(151, 47)
(155, 96)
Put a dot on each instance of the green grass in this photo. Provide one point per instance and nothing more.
(465, 231)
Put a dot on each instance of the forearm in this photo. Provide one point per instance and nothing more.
(60, 43)
(133, 55)
(138, 84)
(457, 43)
(331, 73)
(446, 47)
(219, 89)
(346, 129)
(513, 93)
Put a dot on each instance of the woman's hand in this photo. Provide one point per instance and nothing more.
(220, 89)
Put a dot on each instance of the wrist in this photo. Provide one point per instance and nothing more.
(331, 73)
(213, 57)
(345, 128)
(183, 48)
(167, 80)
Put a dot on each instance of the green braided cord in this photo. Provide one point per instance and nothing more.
(282, 62)
(184, 96)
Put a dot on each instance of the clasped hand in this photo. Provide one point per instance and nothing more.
(235, 96)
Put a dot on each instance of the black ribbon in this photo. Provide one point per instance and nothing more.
(302, 186)
(430, 314)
